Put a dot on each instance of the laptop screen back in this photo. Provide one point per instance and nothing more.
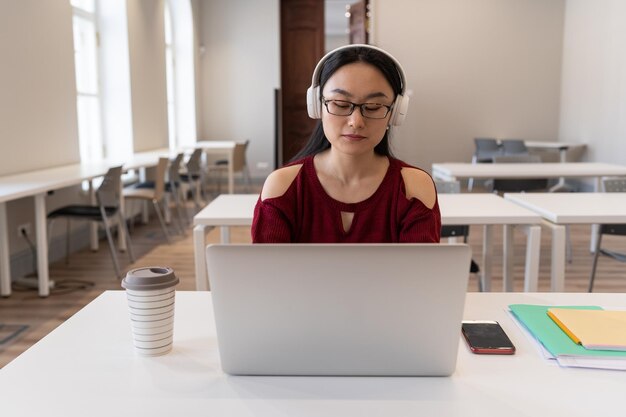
(338, 309)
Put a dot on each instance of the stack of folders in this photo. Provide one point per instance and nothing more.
(577, 336)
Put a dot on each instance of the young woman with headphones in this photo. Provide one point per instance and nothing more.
(345, 185)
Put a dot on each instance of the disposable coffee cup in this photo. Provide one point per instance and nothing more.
(151, 293)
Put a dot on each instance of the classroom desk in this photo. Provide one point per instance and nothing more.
(561, 148)
(559, 210)
(87, 366)
(36, 184)
(458, 170)
(473, 209)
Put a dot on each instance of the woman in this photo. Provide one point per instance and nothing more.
(345, 186)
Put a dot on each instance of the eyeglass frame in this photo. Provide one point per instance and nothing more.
(354, 106)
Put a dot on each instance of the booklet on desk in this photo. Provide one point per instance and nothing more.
(594, 329)
(567, 353)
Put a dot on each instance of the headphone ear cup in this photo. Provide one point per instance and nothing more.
(400, 107)
(313, 102)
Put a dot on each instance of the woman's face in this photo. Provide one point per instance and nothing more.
(357, 83)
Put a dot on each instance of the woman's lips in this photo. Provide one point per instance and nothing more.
(353, 137)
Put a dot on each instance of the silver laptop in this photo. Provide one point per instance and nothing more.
(338, 309)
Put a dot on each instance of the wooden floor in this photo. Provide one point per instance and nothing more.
(89, 273)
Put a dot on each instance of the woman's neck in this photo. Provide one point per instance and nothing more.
(348, 169)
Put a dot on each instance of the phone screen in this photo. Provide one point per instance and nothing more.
(485, 336)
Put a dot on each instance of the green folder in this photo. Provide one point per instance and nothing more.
(535, 318)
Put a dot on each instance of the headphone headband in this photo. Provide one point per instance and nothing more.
(314, 102)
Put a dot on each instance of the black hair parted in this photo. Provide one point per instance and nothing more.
(385, 64)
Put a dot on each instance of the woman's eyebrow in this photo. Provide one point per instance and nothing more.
(367, 97)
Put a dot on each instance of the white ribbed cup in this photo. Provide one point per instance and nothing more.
(151, 295)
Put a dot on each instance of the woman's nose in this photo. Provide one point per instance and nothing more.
(356, 119)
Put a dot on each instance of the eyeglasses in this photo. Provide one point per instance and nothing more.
(346, 108)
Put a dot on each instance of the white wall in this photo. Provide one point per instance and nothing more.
(593, 99)
(146, 39)
(239, 71)
(476, 68)
(38, 123)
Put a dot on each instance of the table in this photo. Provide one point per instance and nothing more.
(459, 170)
(562, 148)
(477, 209)
(559, 210)
(87, 367)
(36, 184)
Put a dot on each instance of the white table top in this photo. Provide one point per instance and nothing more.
(551, 145)
(458, 170)
(565, 208)
(238, 209)
(87, 366)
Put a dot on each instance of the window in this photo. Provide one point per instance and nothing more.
(87, 85)
(170, 69)
(179, 60)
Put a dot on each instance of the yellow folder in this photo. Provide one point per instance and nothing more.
(594, 329)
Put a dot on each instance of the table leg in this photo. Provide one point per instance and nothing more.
(225, 234)
(487, 258)
(5, 260)
(42, 245)
(507, 259)
(93, 226)
(199, 246)
(533, 249)
(231, 172)
(558, 256)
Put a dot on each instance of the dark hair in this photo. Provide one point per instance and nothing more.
(318, 141)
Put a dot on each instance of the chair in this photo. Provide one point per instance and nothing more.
(486, 149)
(513, 147)
(448, 231)
(240, 164)
(108, 207)
(518, 185)
(193, 176)
(155, 194)
(610, 185)
(172, 188)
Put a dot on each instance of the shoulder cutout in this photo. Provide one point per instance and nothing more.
(419, 185)
(279, 181)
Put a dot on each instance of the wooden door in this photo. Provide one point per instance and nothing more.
(301, 47)
(359, 22)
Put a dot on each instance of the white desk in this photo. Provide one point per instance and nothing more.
(561, 148)
(87, 366)
(474, 209)
(36, 184)
(562, 209)
(225, 148)
(457, 170)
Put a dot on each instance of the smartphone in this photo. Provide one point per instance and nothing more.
(487, 337)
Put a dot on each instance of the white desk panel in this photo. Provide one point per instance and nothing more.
(87, 366)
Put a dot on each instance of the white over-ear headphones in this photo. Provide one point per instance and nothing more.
(314, 96)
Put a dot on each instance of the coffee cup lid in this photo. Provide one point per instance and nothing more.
(150, 278)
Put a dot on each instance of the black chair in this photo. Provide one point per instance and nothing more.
(513, 147)
(610, 185)
(518, 185)
(457, 230)
(108, 207)
(485, 150)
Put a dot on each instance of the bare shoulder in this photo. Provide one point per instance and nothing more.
(279, 181)
(419, 185)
